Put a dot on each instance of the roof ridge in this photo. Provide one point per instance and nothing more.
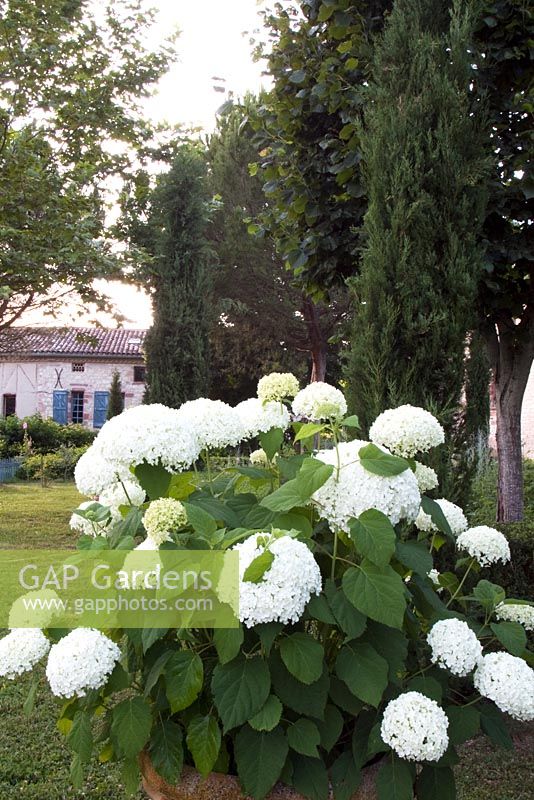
(71, 340)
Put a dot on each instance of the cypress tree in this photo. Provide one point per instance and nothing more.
(115, 401)
(423, 161)
(177, 345)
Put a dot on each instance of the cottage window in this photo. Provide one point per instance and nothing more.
(78, 366)
(77, 407)
(139, 373)
(9, 405)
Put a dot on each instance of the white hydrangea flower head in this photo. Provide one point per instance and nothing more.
(509, 682)
(523, 613)
(454, 646)
(415, 727)
(277, 386)
(257, 417)
(88, 527)
(320, 401)
(427, 478)
(258, 458)
(453, 514)
(355, 489)
(35, 609)
(487, 545)
(286, 587)
(407, 430)
(94, 472)
(163, 517)
(82, 660)
(126, 493)
(214, 423)
(148, 433)
(21, 650)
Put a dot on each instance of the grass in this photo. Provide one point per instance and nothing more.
(34, 517)
(34, 759)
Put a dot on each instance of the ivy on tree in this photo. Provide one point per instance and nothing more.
(504, 85)
(318, 54)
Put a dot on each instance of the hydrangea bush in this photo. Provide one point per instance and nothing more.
(352, 650)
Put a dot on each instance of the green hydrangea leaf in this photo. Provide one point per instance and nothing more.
(204, 742)
(80, 737)
(330, 727)
(131, 721)
(394, 780)
(184, 676)
(378, 592)
(258, 567)
(268, 716)
(309, 699)
(374, 460)
(260, 758)
(363, 670)
(228, 642)
(464, 723)
(304, 737)
(310, 777)
(374, 536)
(154, 479)
(436, 783)
(166, 750)
(303, 656)
(240, 688)
(511, 635)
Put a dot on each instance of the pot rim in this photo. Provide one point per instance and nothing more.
(220, 786)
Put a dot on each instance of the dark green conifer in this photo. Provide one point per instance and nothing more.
(423, 157)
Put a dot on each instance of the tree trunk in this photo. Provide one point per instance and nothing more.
(511, 358)
(317, 341)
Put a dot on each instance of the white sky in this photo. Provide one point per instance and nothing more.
(211, 44)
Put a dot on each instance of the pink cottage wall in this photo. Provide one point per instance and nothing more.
(96, 377)
(33, 383)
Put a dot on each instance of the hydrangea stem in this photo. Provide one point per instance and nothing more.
(208, 468)
(334, 556)
(125, 492)
(471, 563)
(336, 445)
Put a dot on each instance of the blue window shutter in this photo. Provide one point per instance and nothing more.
(100, 409)
(59, 407)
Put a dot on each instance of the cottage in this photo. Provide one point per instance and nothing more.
(65, 373)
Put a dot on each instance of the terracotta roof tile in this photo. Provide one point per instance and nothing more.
(97, 342)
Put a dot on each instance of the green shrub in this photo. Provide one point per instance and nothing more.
(46, 435)
(56, 466)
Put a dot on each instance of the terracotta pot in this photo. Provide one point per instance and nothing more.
(216, 786)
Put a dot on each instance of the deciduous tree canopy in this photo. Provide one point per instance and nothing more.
(72, 76)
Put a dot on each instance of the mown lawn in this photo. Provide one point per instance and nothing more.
(33, 516)
(34, 760)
